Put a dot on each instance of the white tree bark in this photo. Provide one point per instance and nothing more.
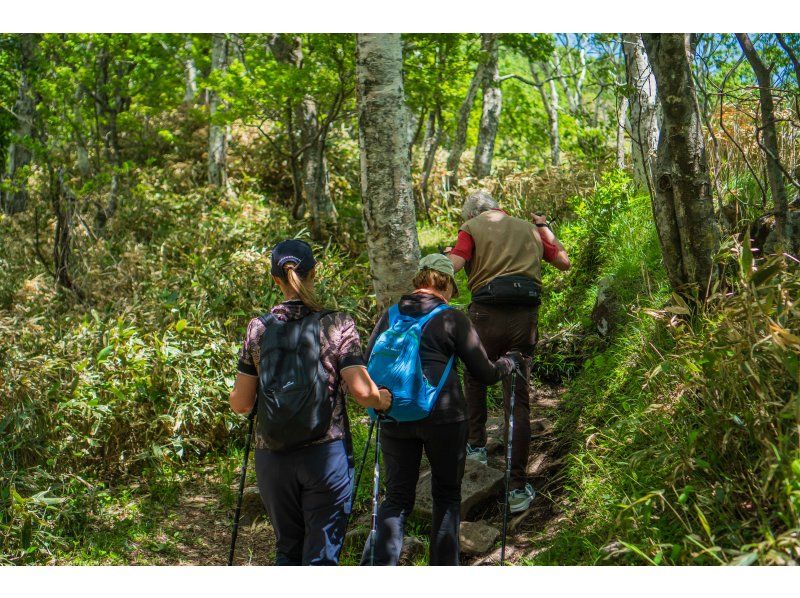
(386, 189)
(621, 112)
(492, 104)
(460, 139)
(550, 103)
(217, 134)
(18, 155)
(190, 72)
(643, 109)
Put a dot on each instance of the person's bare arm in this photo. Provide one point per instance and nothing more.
(457, 261)
(362, 388)
(243, 395)
(561, 261)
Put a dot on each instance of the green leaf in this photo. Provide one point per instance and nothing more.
(104, 353)
(796, 467)
(704, 522)
(745, 559)
(180, 325)
(746, 259)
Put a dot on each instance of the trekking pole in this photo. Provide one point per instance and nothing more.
(375, 490)
(363, 461)
(509, 436)
(235, 533)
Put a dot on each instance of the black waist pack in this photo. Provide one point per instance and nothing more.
(509, 290)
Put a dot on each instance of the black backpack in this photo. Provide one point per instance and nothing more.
(294, 408)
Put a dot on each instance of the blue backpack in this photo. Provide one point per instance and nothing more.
(395, 363)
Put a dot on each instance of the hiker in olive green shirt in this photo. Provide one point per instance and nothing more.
(502, 256)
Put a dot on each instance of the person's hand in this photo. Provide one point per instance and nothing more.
(516, 359)
(384, 401)
(540, 219)
(447, 250)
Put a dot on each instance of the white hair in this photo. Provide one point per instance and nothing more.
(477, 203)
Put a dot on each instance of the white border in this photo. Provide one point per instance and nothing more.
(401, 582)
(311, 16)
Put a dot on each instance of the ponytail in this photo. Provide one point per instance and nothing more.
(302, 286)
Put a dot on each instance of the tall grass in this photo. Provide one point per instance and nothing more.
(683, 434)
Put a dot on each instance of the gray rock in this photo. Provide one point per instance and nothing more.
(477, 537)
(495, 434)
(605, 307)
(413, 549)
(480, 483)
(252, 506)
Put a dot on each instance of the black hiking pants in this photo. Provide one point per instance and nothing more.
(401, 446)
(503, 328)
(307, 495)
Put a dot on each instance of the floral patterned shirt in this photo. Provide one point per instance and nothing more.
(340, 348)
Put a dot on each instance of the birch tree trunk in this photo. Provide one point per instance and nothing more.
(433, 138)
(643, 109)
(190, 73)
(621, 112)
(550, 103)
(770, 139)
(460, 139)
(386, 192)
(492, 104)
(18, 155)
(682, 203)
(217, 134)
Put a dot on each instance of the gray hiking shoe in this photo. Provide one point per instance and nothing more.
(478, 454)
(520, 499)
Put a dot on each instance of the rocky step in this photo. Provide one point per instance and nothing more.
(480, 484)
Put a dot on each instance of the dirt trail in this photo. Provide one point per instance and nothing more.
(197, 530)
(530, 531)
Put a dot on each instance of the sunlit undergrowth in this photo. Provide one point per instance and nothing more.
(683, 435)
(134, 382)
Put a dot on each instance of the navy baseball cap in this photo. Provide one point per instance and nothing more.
(292, 251)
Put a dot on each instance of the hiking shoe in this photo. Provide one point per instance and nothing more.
(478, 454)
(521, 498)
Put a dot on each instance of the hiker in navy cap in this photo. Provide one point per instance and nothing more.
(297, 363)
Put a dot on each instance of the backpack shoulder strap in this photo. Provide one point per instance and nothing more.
(393, 313)
(428, 316)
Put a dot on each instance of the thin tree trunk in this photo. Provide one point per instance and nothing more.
(62, 203)
(791, 54)
(108, 110)
(770, 144)
(550, 104)
(386, 193)
(682, 203)
(421, 120)
(310, 155)
(18, 156)
(643, 109)
(315, 187)
(430, 158)
(492, 104)
(621, 112)
(217, 134)
(460, 139)
(190, 73)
